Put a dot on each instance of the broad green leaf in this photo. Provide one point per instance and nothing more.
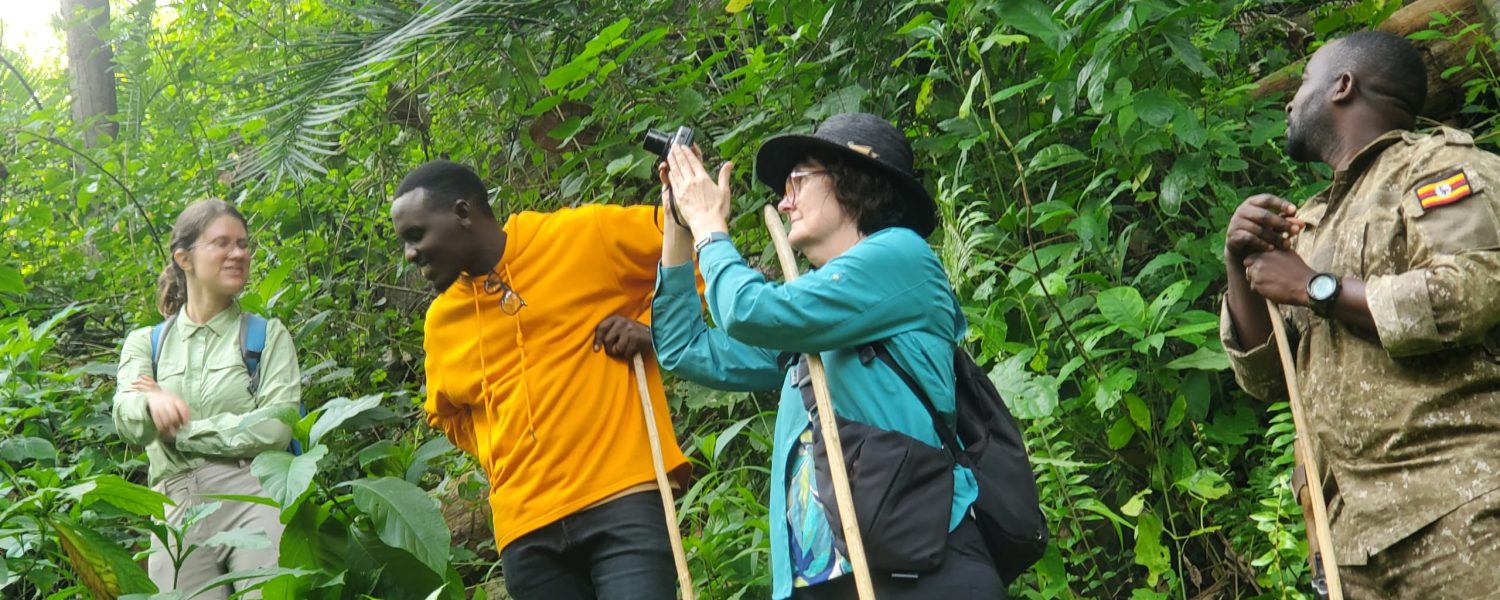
(1149, 551)
(967, 106)
(1095, 506)
(126, 496)
(733, 7)
(1140, 414)
(1188, 127)
(101, 565)
(1176, 413)
(1232, 427)
(570, 73)
(1123, 306)
(1148, 594)
(336, 411)
(394, 572)
(912, 24)
(1029, 396)
(271, 283)
(1207, 358)
(1185, 51)
(405, 517)
(1054, 156)
(1120, 433)
(727, 436)
(1206, 484)
(849, 98)
(1034, 18)
(1112, 388)
(198, 512)
(243, 538)
(286, 478)
(1016, 89)
(1136, 503)
(1159, 262)
(11, 281)
(378, 451)
(586, 62)
(924, 95)
(19, 449)
(430, 449)
(620, 165)
(263, 573)
(1162, 305)
(312, 539)
(1174, 191)
(1155, 107)
(1001, 40)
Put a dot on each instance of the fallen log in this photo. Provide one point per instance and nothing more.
(1444, 95)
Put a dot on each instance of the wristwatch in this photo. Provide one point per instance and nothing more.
(1322, 290)
(709, 239)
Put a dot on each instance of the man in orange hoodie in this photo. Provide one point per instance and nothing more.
(516, 377)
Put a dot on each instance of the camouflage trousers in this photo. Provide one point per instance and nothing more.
(1456, 556)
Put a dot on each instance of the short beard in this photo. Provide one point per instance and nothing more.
(1312, 138)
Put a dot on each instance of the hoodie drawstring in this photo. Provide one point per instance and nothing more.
(525, 380)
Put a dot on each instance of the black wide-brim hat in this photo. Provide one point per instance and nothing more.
(864, 140)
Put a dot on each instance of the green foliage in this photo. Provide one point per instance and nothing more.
(1085, 155)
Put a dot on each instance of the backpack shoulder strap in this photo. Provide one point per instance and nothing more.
(950, 441)
(157, 334)
(252, 345)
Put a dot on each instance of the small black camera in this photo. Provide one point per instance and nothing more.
(660, 143)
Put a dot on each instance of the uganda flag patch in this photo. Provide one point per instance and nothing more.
(1447, 189)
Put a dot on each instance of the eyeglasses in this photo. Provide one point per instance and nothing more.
(510, 302)
(223, 245)
(794, 181)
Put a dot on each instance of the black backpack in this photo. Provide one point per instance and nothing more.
(1008, 511)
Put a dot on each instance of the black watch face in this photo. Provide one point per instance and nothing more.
(1322, 287)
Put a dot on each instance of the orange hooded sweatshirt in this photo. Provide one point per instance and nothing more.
(556, 425)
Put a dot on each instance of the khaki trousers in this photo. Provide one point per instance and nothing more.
(1454, 557)
(209, 562)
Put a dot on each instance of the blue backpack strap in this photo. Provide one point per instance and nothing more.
(156, 336)
(252, 347)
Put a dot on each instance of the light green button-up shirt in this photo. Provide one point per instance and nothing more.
(202, 364)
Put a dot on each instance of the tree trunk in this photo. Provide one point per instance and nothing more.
(1444, 96)
(91, 65)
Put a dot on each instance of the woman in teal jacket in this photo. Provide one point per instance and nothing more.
(859, 215)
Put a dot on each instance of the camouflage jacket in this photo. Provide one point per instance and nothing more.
(1406, 421)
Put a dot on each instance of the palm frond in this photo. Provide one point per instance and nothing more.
(302, 127)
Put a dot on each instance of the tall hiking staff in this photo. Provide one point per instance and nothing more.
(1309, 487)
(829, 426)
(668, 503)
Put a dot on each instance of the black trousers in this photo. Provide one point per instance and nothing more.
(616, 551)
(967, 573)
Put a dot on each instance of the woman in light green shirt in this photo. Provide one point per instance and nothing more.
(195, 409)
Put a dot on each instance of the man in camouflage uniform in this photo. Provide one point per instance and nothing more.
(1390, 282)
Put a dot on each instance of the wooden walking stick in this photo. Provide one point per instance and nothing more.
(668, 503)
(852, 539)
(1314, 508)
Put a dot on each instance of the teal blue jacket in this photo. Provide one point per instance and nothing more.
(889, 287)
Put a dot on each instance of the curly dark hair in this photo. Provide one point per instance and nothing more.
(870, 197)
